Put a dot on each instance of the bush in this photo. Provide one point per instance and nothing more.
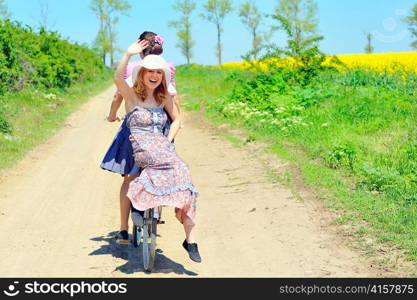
(341, 155)
(5, 126)
(42, 60)
(357, 121)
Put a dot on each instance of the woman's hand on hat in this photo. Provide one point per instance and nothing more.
(137, 47)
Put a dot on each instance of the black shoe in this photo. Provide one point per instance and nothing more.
(192, 250)
(122, 237)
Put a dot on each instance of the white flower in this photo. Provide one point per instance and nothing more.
(50, 96)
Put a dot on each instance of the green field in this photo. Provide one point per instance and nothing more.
(351, 134)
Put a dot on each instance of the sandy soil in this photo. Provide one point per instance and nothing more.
(59, 212)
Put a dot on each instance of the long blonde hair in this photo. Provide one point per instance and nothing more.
(160, 93)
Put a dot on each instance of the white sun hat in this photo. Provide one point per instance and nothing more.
(151, 62)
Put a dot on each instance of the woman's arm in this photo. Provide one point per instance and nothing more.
(175, 117)
(124, 89)
(127, 92)
(172, 88)
(176, 100)
(115, 105)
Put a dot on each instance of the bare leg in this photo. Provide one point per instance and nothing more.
(187, 223)
(190, 244)
(189, 232)
(125, 202)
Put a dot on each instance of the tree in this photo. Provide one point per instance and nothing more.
(298, 19)
(216, 10)
(4, 13)
(411, 20)
(252, 18)
(369, 48)
(185, 43)
(101, 44)
(44, 10)
(108, 12)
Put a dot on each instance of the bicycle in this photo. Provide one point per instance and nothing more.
(146, 234)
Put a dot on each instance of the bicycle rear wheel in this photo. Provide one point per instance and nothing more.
(149, 239)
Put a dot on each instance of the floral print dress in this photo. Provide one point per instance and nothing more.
(165, 178)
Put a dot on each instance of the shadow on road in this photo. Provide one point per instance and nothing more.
(133, 257)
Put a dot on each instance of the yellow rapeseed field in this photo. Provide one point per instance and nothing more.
(403, 62)
(382, 62)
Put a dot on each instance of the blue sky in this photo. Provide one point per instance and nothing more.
(342, 23)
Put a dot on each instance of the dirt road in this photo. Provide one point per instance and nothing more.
(59, 211)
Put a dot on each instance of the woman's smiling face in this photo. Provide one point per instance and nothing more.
(153, 78)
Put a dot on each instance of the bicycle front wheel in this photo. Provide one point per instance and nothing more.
(136, 235)
(149, 240)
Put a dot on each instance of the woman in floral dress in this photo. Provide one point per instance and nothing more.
(165, 178)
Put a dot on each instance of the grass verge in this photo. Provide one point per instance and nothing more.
(379, 225)
(35, 115)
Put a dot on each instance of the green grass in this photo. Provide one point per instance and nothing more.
(354, 143)
(200, 86)
(231, 138)
(35, 115)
